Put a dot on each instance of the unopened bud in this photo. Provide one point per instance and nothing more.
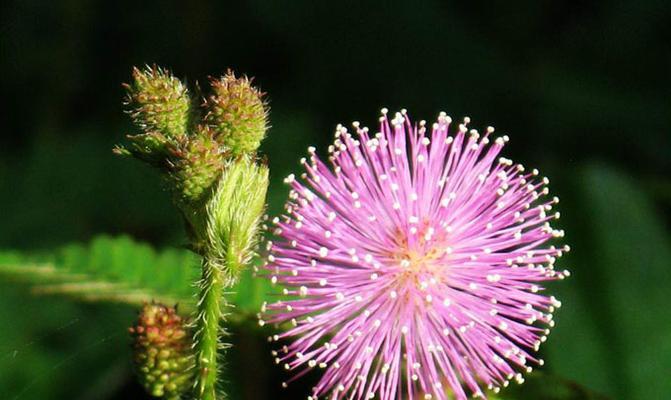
(159, 102)
(236, 111)
(159, 105)
(234, 213)
(162, 352)
(197, 168)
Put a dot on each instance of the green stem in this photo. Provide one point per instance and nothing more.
(210, 331)
(209, 320)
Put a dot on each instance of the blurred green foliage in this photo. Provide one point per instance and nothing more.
(115, 270)
(582, 88)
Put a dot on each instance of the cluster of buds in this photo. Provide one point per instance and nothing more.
(207, 150)
(207, 153)
(162, 352)
(191, 141)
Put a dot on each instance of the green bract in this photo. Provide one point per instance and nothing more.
(234, 213)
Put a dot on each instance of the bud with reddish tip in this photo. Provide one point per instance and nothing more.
(196, 167)
(160, 106)
(162, 352)
(159, 102)
(236, 111)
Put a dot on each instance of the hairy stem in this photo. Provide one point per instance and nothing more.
(207, 342)
(211, 315)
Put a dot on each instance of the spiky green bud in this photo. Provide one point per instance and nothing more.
(159, 102)
(160, 106)
(162, 352)
(236, 111)
(196, 168)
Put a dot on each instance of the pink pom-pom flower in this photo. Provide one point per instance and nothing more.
(412, 267)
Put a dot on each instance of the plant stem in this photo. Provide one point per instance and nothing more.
(211, 314)
(209, 319)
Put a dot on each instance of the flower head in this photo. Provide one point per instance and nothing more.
(413, 267)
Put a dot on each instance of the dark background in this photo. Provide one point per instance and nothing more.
(582, 88)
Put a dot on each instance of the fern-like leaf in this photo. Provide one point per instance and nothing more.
(121, 270)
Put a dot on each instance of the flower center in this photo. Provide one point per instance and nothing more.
(420, 261)
(421, 253)
(420, 268)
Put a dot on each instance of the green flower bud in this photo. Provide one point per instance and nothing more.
(234, 213)
(159, 102)
(196, 168)
(236, 111)
(162, 352)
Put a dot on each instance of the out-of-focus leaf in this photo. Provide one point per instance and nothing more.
(121, 270)
(107, 269)
(614, 333)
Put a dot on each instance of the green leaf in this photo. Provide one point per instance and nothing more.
(107, 269)
(121, 270)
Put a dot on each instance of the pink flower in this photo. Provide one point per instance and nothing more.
(413, 267)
